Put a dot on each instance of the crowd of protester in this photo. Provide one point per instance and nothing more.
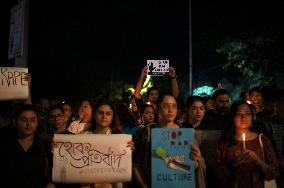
(218, 153)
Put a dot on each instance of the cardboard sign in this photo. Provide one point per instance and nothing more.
(13, 84)
(92, 158)
(158, 67)
(171, 164)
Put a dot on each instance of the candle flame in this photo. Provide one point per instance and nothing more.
(248, 102)
(244, 136)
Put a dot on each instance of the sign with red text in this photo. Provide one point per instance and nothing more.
(91, 158)
(13, 84)
(171, 165)
(158, 67)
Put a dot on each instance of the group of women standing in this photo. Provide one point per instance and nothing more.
(26, 155)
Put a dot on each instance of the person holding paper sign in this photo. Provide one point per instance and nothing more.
(241, 160)
(167, 110)
(107, 122)
(153, 93)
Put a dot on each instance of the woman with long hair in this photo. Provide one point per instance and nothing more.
(242, 161)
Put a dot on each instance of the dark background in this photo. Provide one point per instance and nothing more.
(78, 45)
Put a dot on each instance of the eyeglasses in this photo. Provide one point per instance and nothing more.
(54, 117)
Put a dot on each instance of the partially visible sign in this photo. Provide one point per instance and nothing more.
(16, 31)
(171, 164)
(13, 84)
(91, 158)
(158, 67)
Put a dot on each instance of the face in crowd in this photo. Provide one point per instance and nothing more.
(44, 104)
(67, 110)
(196, 111)
(222, 103)
(168, 109)
(148, 115)
(103, 116)
(243, 117)
(26, 123)
(153, 96)
(209, 105)
(256, 99)
(57, 119)
(85, 110)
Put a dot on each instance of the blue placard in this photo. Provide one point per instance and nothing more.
(171, 163)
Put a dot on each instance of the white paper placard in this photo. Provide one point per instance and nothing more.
(158, 67)
(92, 158)
(13, 84)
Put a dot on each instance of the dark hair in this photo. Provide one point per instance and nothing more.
(220, 92)
(255, 89)
(150, 106)
(125, 117)
(151, 89)
(161, 98)
(25, 108)
(115, 121)
(146, 106)
(233, 111)
(90, 101)
(192, 99)
(55, 107)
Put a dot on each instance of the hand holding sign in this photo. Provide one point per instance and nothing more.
(157, 67)
(172, 72)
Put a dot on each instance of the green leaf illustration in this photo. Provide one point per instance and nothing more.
(161, 152)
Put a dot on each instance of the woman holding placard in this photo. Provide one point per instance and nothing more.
(167, 110)
(245, 158)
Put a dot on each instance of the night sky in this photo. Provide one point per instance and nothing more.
(92, 43)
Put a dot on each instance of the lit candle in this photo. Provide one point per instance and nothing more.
(148, 102)
(130, 106)
(248, 101)
(244, 141)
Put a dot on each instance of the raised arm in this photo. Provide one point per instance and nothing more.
(172, 75)
(140, 83)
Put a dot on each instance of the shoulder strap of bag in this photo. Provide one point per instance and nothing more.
(261, 145)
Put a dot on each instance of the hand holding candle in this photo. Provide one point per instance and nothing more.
(244, 141)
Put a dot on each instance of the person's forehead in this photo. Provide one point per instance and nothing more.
(243, 107)
(66, 106)
(28, 114)
(55, 111)
(104, 108)
(197, 104)
(154, 91)
(223, 97)
(169, 100)
(255, 93)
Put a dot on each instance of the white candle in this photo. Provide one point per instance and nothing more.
(244, 141)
